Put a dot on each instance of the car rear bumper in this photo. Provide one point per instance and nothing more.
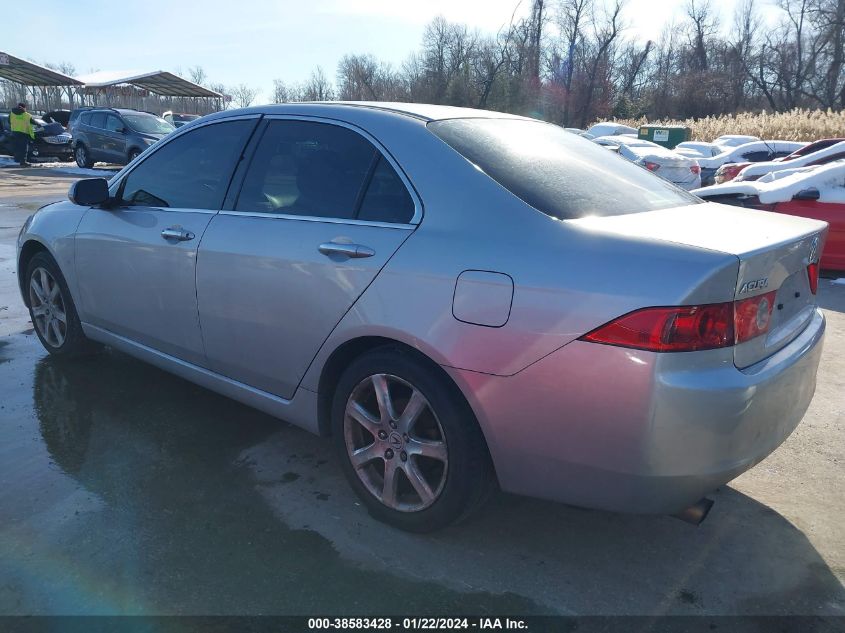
(625, 430)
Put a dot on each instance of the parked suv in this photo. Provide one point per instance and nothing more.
(112, 135)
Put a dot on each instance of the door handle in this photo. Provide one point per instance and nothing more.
(355, 251)
(177, 233)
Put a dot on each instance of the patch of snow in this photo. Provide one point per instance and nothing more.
(105, 171)
(734, 140)
(608, 128)
(839, 282)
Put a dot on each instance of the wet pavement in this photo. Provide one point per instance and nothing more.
(125, 490)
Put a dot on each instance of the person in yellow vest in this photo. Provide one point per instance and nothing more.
(20, 123)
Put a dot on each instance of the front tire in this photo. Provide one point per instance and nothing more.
(52, 311)
(409, 443)
(83, 156)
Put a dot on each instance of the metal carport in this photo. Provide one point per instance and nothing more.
(26, 73)
(158, 82)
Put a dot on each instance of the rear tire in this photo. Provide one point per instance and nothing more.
(52, 311)
(415, 472)
(83, 156)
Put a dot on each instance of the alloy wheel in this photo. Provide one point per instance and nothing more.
(48, 307)
(395, 443)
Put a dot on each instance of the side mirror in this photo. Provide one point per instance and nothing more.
(807, 194)
(89, 192)
(121, 130)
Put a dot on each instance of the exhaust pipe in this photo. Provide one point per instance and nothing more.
(696, 513)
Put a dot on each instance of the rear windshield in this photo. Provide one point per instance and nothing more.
(561, 174)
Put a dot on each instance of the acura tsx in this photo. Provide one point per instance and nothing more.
(461, 299)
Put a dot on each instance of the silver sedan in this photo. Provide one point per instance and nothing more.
(460, 299)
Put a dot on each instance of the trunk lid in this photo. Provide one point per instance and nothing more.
(773, 251)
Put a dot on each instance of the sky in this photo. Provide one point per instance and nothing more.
(257, 41)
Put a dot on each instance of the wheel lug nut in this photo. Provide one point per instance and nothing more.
(405, 437)
(392, 425)
(404, 456)
(382, 435)
(388, 454)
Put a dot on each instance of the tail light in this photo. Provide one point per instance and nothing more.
(651, 166)
(813, 274)
(695, 169)
(752, 316)
(688, 328)
(683, 329)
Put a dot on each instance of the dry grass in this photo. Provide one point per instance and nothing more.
(795, 125)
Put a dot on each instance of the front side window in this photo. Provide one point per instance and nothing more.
(558, 173)
(191, 171)
(113, 124)
(322, 170)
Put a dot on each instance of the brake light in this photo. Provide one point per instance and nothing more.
(688, 328)
(651, 166)
(695, 169)
(681, 329)
(752, 316)
(813, 274)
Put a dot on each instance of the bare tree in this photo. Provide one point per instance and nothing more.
(318, 87)
(197, 75)
(243, 95)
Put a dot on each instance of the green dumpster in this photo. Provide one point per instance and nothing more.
(665, 135)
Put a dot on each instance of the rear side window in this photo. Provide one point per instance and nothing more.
(192, 171)
(98, 120)
(561, 174)
(322, 170)
(386, 199)
(85, 118)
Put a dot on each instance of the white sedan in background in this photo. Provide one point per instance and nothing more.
(734, 140)
(753, 152)
(678, 169)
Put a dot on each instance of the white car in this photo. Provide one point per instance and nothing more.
(608, 128)
(678, 169)
(823, 156)
(754, 152)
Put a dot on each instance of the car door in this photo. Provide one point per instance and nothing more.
(114, 139)
(96, 136)
(320, 211)
(136, 261)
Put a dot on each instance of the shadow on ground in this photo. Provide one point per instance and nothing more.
(127, 490)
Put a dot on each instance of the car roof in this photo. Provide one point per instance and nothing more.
(119, 110)
(421, 111)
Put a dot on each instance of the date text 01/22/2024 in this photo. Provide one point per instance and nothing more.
(416, 624)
